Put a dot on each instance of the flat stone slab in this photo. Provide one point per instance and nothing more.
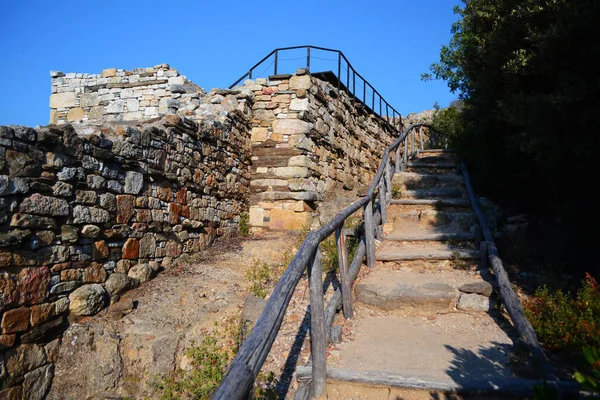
(427, 297)
(482, 288)
(475, 302)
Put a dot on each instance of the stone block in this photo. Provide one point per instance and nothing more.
(289, 220)
(109, 73)
(88, 99)
(300, 82)
(44, 205)
(37, 382)
(96, 113)
(131, 249)
(63, 100)
(115, 107)
(256, 216)
(291, 172)
(88, 299)
(133, 105)
(299, 161)
(259, 134)
(299, 105)
(291, 127)
(15, 320)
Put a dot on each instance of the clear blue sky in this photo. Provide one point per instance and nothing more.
(389, 42)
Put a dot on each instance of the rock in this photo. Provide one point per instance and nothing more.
(289, 219)
(44, 205)
(482, 288)
(100, 250)
(85, 197)
(6, 342)
(84, 214)
(62, 189)
(29, 286)
(63, 100)
(87, 299)
(24, 358)
(253, 307)
(300, 82)
(15, 320)
(10, 186)
(69, 234)
(291, 127)
(299, 105)
(121, 308)
(37, 382)
(13, 238)
(125, 208)
(131, 249)
(75, 114)
(141, 272)
(41, 313)
(147, 246)
(108, 201)
(90, 231)
(68, 174)
(474, 302)
(12, 393)
(117, 284)
(134, 182)
(41, 332)
(21, 164)
(95, 273)
(291, 172)
(64, 287)
(428, 297)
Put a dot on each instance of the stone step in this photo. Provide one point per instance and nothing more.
(421, 164)
(438, 192)
(430, 297)
(435, 159)
(404, 181)
(415, 217)
(428, 237)
(425, 254)
(437, 151)
(433, 202)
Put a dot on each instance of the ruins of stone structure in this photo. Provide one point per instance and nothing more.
(138, 168)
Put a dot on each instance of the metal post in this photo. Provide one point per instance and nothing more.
(276, 61)
(364, 92)
(348, 77)
(373, 100)
(250, 74)
(354, 83)
(380, 105)
(339, 70)
(308, 58)
(387, 112)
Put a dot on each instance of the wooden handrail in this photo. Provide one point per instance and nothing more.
(244, 368)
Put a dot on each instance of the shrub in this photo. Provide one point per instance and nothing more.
(244, 224)
(565, 323)
(590, 381)
(259, 275)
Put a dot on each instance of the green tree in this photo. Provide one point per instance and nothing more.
(531, 95)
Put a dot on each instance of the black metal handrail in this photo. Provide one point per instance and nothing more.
(375, 102)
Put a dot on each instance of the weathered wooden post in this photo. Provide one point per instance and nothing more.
(388, 182)
(318, 340)
(421, 137)
(340, 237)
(397, 160)
(369, 234)
(382, 201)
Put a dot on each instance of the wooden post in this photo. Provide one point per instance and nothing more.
(421, 137)
(478, 235)
(340, 237)
(397, 159)
(388, 183)
(483, 254)
(382, 203)
(412, 143)
(405, 152)
(369, 234)
(318, 339)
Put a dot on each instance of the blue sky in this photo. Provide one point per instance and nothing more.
(212, 43)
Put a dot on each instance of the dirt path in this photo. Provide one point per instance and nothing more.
(111, 355)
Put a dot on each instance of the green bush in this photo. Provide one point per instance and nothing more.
(590, 381)
(565, 323)
(244, 224)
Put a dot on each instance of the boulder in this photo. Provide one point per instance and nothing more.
(88, 299)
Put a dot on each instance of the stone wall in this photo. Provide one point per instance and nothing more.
(83, 219)
(120, 95)
(308, 138)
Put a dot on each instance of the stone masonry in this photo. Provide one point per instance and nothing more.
(307, 138)
(120, 95)
(84, 219)
(139, 167)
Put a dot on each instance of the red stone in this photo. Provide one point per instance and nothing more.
(164, 193)
(269, 90)
(174, 213)
(131, 249)
(34, 285)
(41, 313)
(181, 195)
(5, 258)
(211, 180)
(95, 273)
(143, 215)
(198, 175)
(70, 275)
(100, 250)
(15, 320)
(185, 211)
(60, 267)
(125, 208)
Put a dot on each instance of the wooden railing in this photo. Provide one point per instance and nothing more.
(245, 367)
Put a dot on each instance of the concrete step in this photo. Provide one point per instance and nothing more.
(425, 254)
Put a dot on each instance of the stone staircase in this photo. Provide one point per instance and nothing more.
(425, 322)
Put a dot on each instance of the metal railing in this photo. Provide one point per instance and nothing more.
(370, 97)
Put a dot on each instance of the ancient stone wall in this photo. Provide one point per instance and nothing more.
(120, 95)
(83, 219)
(307, 138)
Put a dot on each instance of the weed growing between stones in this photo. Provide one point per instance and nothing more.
(459, 263)
(260, 278)
(244, 224)
(209, 362)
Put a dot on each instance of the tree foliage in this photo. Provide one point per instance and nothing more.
(524, 70)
